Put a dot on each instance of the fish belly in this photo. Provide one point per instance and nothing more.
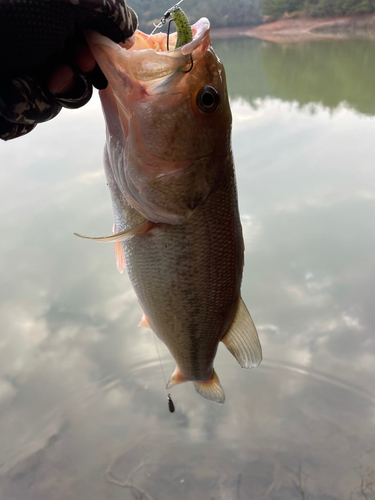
(187, 278)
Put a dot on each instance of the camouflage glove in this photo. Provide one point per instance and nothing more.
(39, 36)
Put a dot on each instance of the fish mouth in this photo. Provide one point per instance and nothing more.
(159, 42)
(149, 60)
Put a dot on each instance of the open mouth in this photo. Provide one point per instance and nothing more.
(151, 59)
(161, 42)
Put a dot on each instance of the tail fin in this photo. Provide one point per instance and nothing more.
(211, 389)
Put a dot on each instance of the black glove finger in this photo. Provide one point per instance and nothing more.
(97, 79)
(10, 130)
(68, 56)
(33, 31)
(23, 100)
(23, 104)
(116, 11)
(120, 14)
(79, 95)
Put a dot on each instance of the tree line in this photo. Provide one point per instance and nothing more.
(317, 8)
(226, 14)
(221, 13)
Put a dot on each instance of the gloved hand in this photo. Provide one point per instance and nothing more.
(44, 61)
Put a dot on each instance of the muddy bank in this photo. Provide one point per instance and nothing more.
(297, 30)
(232, 32)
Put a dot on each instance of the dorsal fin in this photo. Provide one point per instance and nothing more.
(242, 339)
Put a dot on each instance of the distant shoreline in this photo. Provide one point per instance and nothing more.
(232, 32)
(307, 29)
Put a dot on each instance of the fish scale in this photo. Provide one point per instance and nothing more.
(186, 275)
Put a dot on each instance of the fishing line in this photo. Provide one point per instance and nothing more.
(169, 398)
(164, 18)
(161, 364)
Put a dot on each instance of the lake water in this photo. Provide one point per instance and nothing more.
(83, 407)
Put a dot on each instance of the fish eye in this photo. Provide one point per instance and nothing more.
(208, 99)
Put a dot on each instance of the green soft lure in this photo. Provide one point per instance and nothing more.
(184, 33)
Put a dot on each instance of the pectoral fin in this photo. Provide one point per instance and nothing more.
(141, 228)
(211, 389)
(242, 339)
(119, 256)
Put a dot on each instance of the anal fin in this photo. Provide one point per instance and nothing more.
(144, 322)
(211, 389)
(242, 339)
(175, 379)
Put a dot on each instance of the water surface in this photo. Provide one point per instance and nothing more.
(83, 410)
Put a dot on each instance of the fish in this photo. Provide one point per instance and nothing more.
(169, 168)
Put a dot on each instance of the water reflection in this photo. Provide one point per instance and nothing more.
(83, 411)
(321, 72)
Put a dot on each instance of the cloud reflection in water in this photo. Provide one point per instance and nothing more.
(80, 385)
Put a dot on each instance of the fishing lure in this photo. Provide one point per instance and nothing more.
(184, 33)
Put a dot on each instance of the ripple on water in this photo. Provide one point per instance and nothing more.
(284, 432)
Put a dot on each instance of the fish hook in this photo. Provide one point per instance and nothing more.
(168, 32)
(192, 64)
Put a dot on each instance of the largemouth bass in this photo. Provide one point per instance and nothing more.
(169, 168)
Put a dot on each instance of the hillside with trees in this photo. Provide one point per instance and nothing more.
(316, 8)
(224, 14)
(221, 13)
